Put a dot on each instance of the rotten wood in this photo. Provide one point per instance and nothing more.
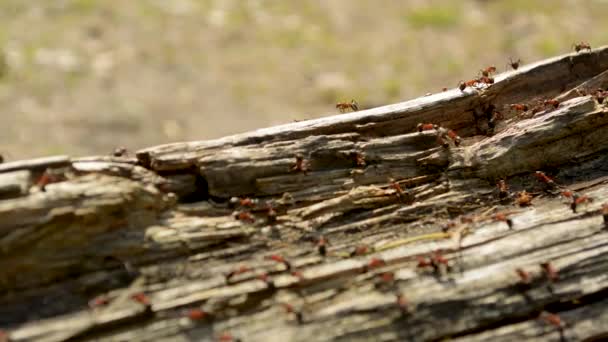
(350, 227)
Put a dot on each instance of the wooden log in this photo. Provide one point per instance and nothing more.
(352, 227)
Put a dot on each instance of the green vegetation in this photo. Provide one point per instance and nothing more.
(434, 17)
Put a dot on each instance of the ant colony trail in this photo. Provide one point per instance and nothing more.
(477, 213)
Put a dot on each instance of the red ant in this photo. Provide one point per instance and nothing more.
(600, 95)
(97, 302)
(423, 262)
(463, 85)
(359, 158)
(523, 276)
(375, 262)
(280, 259)
(322, 246)
(543, 177)
(387, 277)
(514, 63)
(141, 298)
(290, 309)
(494, 118)
(487, 71)
(266, 279)
(581, 46)
(567, 193)
(519, 107)
(344, 106)
(227, 337)
(524, 199)
(244, 216)
(554, 103)
(426, 127)
(360, 250)
(46, 179)
(196, 314)
(301, 165)
(502, 217)
(395, 186)
(240, 270)
(576, 200)
(271, 214)
(452, 135)
(552, 319)
(503, 188)
(486, 80)
(550, 271)
(402, 302)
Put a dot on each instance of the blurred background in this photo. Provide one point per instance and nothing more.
(82, 77)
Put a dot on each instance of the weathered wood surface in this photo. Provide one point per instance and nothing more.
(125, 249)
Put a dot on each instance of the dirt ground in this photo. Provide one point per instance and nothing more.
(82, 77)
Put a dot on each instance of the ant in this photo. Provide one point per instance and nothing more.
(554, 103)
(493, 118)
(280, 259)
(514, 63)
(98, 301)
(567, 193)
(227, 337)
(360, 250)
(600, 95)
(387, 277)
(395, 186)
(196, 314)
(271, 214)
(46, 179)
(544, 178)
(344, 106)
(266, 279)
(550, 271)
(244, 216)
(119, 152)
(455, 138)
(359, 158)
(240, 270)
(297, 313)
(502, 217)
(581, 46)
(426, 127)
(322, 246)
(375, 262)
(487, 71)
(503, 189)
(141, 298)
(524, 198)
(243, 202)
(552, 319)
(300, 165)
(486, 80)
(523, 276)
(463, 85)
(576, 200)
(519, 107)
(402, 303)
